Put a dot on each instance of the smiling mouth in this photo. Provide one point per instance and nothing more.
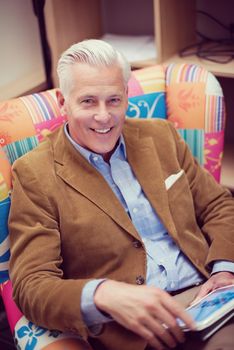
(102, 131)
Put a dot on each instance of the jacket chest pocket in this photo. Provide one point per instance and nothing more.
(181, 204)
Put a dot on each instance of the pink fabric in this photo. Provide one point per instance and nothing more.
(213, 153)
(134, 88)
(48, 126)
(12, 310)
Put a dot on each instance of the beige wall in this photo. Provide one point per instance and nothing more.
(21, 64)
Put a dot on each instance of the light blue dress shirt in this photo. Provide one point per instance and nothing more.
(167, 267)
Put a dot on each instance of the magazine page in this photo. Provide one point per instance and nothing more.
(212, 308)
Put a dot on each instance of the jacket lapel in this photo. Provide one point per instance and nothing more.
(84, 178)
(144, 160)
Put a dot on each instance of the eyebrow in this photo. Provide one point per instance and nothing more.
(82, 97)
(115, 95)
(94, 96)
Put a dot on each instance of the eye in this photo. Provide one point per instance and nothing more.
(115, 101)
(88, 101)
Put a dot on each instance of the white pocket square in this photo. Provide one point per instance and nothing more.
(172, 179)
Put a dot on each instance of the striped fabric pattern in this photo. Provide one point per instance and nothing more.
(214, 113)
(195, 138)
(17, 149)
(177, 73)
(42, 106)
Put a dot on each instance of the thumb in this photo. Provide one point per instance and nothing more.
(204, 290)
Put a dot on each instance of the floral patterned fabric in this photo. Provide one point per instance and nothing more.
(186, 94)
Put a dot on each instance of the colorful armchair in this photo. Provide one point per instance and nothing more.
(186, 94)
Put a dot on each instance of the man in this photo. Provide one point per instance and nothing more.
(116, 219)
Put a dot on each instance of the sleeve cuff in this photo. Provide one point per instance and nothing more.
(91, 315)
(222, 265)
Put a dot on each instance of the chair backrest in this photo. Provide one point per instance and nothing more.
(186, 94)
(192, 99)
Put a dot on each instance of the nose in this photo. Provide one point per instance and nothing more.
(102, 114)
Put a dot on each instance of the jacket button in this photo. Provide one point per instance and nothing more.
(136, 244)
(96, 329)
(140, 280)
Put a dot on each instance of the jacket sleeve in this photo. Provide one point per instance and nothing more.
(35, 264)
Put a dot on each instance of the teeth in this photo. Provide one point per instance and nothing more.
(102, 131)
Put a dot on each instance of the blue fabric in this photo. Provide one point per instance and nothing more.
(147, 106)
(16, 149)
(195, 138)
(220, 266)
(4, 246)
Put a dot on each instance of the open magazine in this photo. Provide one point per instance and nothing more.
(212, 311)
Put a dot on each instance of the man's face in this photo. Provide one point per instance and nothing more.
(95, 107)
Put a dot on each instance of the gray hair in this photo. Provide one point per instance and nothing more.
(93, 52)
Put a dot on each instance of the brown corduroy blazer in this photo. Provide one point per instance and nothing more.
(67, 226)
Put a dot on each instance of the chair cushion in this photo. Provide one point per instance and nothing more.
(146, 90)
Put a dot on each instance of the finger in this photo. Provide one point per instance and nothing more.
(169, 325)
(175, 310)
(204, 290)
(212, 284)
(149, 336)
(177, 332)
(161, 332)
(155, 342)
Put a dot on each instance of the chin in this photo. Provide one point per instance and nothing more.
(103, 152)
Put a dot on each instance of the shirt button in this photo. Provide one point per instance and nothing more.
(135, 210)
(137, 244)
(140, 280)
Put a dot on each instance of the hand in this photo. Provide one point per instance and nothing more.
(148, 311)
(217, 280)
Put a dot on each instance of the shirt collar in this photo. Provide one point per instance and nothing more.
(120, 151)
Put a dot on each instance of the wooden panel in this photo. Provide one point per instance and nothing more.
(175, 23)
(68, 22)
(227, 170)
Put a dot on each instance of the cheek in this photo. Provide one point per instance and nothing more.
(76, 125)
(80, 117)
(118, 119)
(121, 111)
(123, 115)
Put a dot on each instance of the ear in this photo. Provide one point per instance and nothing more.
(61, 102)
(126, 97)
